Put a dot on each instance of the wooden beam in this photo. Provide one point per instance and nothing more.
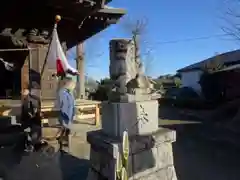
(80, 68)
(25, 74)
(36, 19)
(86, 6)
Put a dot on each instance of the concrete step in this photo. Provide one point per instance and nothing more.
(79, 147)
(6, 121)
(11, 135)
(82, 129)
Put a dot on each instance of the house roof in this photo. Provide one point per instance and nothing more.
(230, 68)
(228, 57)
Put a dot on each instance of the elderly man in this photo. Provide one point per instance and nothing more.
(66, 102)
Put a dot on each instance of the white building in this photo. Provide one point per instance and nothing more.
(190, 75)
(191, 79)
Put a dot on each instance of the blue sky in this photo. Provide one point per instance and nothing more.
(167, 20)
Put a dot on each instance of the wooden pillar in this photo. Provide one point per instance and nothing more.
(80, 67)
(97, 115)
(35, 55)
(25, 74)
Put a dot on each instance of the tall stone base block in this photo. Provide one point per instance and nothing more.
(151, 157)
(139, 118)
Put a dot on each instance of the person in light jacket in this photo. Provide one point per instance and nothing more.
(66, 102)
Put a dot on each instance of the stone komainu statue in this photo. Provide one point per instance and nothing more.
(126, 70)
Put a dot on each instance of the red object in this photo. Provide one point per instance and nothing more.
(60, 69)
(56, 57)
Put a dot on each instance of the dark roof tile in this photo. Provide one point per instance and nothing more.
(224, 58)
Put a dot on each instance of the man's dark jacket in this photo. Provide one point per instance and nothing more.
(30, 116)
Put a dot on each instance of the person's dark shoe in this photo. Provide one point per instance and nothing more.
(50, 150)
(68, 132)
(29, 148)
(46, 150)
(40, 145)
(58, 138)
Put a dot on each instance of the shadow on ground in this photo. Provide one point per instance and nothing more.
(73, 168)
(180, 114)
(41, 166)
(199, 159)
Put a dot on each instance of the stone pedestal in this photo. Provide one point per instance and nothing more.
(130, 108)
(150, 158)
(138, 118)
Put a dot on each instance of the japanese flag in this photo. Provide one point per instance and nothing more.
(56, 58)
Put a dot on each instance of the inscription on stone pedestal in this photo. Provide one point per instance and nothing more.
(138, 118)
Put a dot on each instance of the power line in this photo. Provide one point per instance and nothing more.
(192, 39)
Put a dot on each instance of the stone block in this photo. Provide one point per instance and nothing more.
(135, 98)
(150, 156)
(103, 163)
(154, 159)
(167, 173)
(111, 145)
(139, 118)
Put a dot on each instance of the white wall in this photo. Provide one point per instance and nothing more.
(191, 79)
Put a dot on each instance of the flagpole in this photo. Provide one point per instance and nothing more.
(57, 20)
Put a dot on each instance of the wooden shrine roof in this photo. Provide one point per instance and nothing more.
(81, 19)
(91, 25)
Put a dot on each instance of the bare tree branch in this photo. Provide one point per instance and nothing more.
(232, 18)
(137, 30)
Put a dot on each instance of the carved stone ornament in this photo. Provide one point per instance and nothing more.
(126, 69)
